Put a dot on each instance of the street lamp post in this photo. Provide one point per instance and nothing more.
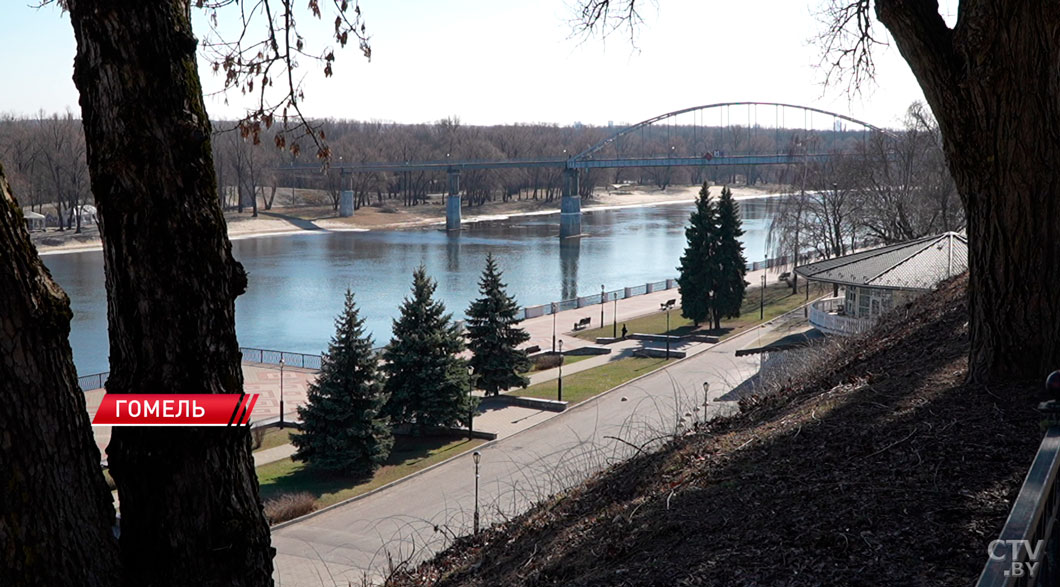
(666, 308)
(762, 302)
(706, 399)
(281, 394)
(478, 457)
(470, 404)
(668, 332)
(554, 308)
(603, 298)
(559, 388)
(614, 322)
(762, 292)
(806, 306)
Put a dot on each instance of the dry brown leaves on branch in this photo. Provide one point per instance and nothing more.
(257, 47)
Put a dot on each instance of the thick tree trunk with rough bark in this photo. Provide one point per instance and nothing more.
(993, 83)
(56, 513)
(191, 514)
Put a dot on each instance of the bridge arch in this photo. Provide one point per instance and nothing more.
(614, 138)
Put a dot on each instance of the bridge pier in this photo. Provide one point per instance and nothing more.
(570, 208)
(452, 201)
(346, 203)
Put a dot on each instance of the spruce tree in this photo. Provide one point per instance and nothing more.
(493, 335)
(699, 271)
(731, 287)
(427, 382)
(343, 429)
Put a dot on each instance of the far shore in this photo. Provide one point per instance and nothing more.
(392, 216)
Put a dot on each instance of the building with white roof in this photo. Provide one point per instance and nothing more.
(875, 281)
(34, 221)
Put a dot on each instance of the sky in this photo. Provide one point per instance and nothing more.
(516, 61)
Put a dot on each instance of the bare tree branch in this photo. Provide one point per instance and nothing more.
(268, 48)
(847, 43)
(603, 18)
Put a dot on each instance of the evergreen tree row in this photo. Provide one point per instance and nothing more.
(423, 382)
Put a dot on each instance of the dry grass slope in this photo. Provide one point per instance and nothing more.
(882, 468)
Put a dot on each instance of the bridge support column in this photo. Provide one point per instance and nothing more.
(452, 201)
(570, 208)
(345, 203)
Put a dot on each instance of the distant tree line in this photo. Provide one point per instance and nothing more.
(46, 163)
(44, 157)
(898, 188)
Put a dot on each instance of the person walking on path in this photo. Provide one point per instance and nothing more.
(624, 331)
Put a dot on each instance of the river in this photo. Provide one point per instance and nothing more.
(296, 282)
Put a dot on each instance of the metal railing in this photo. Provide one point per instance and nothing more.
(1026, 552)
(93, 381)
(808, 256)
(647, 288)
(595, 299)
(822, 317)
(250, 355)
(271, 357)
(307, 361)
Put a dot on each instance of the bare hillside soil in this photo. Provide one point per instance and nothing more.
(878, 467)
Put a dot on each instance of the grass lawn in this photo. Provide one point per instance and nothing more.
(568, 359)
(408, 456)
(583, 385)
(778, 300)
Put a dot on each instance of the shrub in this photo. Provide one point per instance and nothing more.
(546, 361)
(257, 437)
(289, 506)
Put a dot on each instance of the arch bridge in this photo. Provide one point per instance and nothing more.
(707, 136)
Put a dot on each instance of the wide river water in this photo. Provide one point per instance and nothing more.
(296, 282)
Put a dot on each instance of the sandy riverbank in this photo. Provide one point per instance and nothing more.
(293, 220)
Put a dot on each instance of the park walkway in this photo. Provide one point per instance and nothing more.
(503, 420)
(349, 541)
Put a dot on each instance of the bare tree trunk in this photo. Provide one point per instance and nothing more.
(272, 195)
(992, 83)
(57, 518)
(191, 514)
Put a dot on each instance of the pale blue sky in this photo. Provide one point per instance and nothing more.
(498, 61)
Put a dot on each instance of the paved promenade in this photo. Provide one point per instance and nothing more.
(417, 516)
(541, 328)
(537, 453)
(264, 379)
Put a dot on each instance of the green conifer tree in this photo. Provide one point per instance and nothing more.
(343, 429)
(493, 335)
(698, 272)
(731, 287)
(427, 382)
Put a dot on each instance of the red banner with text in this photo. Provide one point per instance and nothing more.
(182, 409)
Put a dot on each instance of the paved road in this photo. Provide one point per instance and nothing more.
(419, 516)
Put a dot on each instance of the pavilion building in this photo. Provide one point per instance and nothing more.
(872, 282)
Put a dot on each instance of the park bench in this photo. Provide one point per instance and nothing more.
(583, 323)
(532, 349)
